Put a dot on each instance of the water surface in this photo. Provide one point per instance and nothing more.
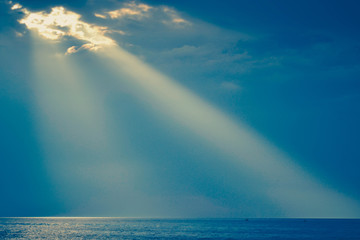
(128, 228)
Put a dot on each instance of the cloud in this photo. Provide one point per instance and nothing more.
(16, 6)
(61, 22)
(215, 59)
(174, 18)
(230, 86)
(131, 10)
(100, 15)
(139, 11)
(87, 46)
(71, 50)
(18, 34)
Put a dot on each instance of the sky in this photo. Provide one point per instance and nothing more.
(161, 108)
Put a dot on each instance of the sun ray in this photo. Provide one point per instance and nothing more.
(71, 117)
(284, 182)
(81, 154)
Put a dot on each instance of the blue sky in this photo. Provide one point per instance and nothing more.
(180, 109)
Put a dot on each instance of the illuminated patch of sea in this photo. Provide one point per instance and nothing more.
(126, 228)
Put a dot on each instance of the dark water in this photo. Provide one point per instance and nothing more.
(120, 228)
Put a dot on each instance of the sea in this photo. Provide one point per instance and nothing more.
(137, 228)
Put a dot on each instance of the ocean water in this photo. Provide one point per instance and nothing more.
(122, 228)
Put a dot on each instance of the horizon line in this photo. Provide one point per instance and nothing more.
(191, 218)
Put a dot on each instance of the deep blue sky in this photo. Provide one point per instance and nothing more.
(288, 69)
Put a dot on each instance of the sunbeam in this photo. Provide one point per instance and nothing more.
(83, 149)
(134, 119)
(280, 178)
(82, 155)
